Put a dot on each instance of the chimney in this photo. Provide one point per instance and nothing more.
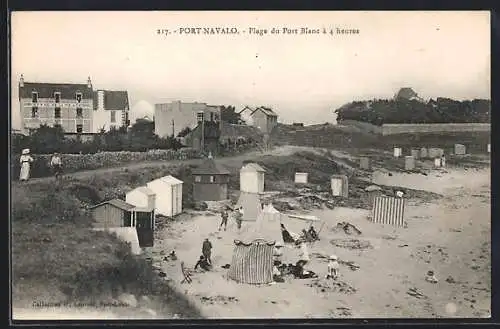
(89, 83)
(21, 81)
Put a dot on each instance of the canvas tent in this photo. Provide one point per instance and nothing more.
(252, 261)
(265, 227)
(251, 204)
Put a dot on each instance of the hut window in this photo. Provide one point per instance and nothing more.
(212, 179)
(34, 97)
(78, 97)
(197, 179)
(57, 97)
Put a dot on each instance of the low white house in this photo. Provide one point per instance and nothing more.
(168, 190)
(142, 197)
(252, 178)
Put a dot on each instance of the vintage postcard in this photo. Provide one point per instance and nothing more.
(250, 165)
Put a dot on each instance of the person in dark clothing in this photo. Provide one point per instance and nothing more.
(277, 274)
(287, 237)
(313, 233)
(206, 250)
(299, 272)
(224, 216)
(307, 236)
(203, 264)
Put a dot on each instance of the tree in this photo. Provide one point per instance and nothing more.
(47, 139)
(228, 114)
(184, 132)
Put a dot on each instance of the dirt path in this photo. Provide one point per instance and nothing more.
(450, 236)
(283, 150)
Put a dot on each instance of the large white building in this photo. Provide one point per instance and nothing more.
(76, 108)
(171, 118)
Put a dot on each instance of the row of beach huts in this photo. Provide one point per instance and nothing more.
(133, 219)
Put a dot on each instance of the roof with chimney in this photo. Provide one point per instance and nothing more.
(113, 100)
(47, 90)
(267, 111)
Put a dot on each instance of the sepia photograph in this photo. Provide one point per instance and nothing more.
(250, 165)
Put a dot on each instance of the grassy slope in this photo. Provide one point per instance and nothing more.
(339, 137)
(55, 253)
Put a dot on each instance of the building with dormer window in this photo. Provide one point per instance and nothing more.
(76, 108)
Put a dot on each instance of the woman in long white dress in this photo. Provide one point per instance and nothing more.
(25, 161)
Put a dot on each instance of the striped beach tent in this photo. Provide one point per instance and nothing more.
(388, 210)
(252, 262)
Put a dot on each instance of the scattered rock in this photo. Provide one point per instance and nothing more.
(450, 280)
(348, 228)
(373, 188)
(333, 286)
(351, 244)
(218, 299)
(415, 293)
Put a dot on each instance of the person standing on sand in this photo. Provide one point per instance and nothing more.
(333, 268)
(224, 216)
(25, 161)
(206, 250)
(239, 217)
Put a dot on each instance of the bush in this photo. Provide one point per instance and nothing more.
(139, 138)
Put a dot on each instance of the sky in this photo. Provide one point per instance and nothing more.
(303, 77)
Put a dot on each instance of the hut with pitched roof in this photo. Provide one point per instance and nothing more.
(210, 181)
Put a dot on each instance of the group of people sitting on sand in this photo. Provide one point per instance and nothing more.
(309, 235)
(298, 270)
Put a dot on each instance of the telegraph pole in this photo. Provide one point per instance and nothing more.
(201, 120)
(173, 128)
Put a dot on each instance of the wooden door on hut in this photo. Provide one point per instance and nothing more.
(144, 224)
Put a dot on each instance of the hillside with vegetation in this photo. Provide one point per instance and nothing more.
(400, 111)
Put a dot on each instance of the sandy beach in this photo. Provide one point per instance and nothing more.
(449, 235)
